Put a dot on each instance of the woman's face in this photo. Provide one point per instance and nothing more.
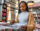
(22, 7)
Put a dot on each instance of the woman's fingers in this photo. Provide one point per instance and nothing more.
(24, 27)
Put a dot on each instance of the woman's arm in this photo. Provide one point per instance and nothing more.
(31, 24)
(31, 19)
(14, 21)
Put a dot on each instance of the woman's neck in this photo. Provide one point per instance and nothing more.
(24, 11)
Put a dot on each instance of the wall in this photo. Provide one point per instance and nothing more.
(32, 0)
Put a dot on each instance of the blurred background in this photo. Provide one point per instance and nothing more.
(10, 7)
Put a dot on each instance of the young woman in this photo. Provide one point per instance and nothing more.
(25, 18)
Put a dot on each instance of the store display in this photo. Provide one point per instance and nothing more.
(3, 18)
(4, 13)
(12, 14)
(4, 10)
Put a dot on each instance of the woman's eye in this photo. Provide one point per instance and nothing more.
(23, 7)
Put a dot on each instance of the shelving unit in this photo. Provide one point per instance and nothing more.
(1, 4)
(4, 13)
(10, 6)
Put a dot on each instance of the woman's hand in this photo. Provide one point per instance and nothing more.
(24, 27)
(30, 27)
(12, 22)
